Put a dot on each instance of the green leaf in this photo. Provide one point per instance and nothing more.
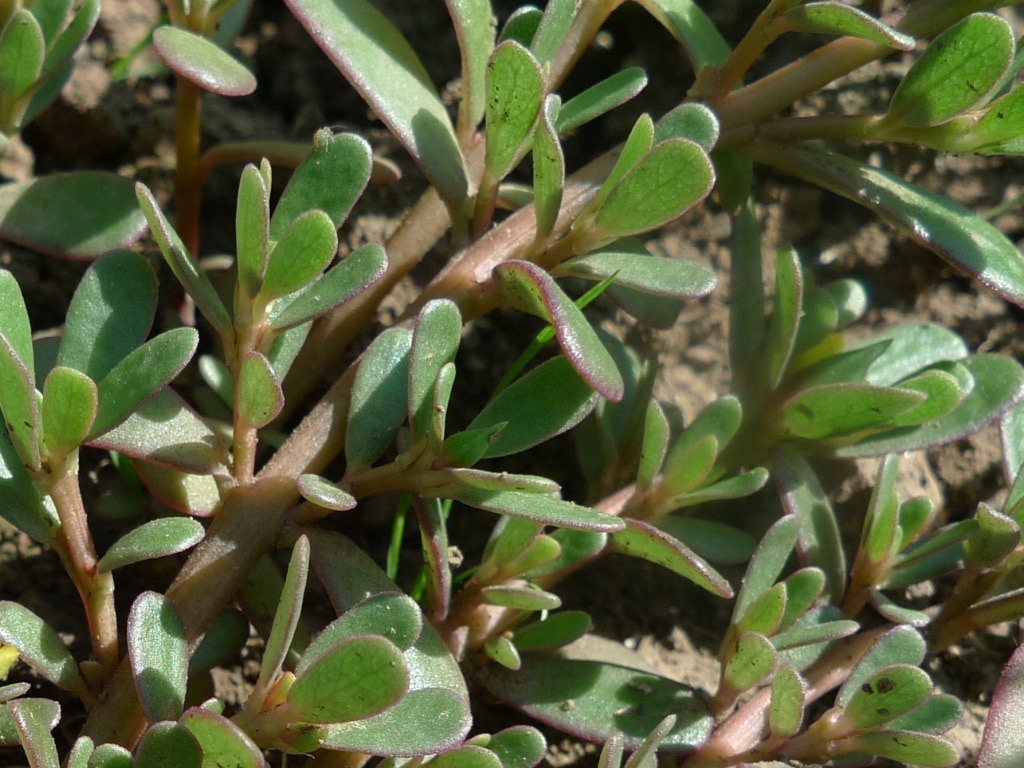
(40, 647)
(899, 645)
(80, 753)
(24, 506)
(545, 402)
(286, 617)
(832, 18)
(19, 403)
(520, 746)
(553, 28)
(937, 714)
(380, 64)
(183, 265)
(968, 242)
(548, 168)
(159, 656)
(322, 492)
(842, 410)
(22, 51)
(752, 660)
(881, 523)
(346, 279)
(51, 16)
(47, 214)
(714, 541)
(515, 90)
(222, 640)
(165, 430)
(811, 630)
(913, 347)
(110, 314)
(992, 541)
(435, 340)
(600, 98)
(690, 120)
(887, 694)
(767, 562)
(553, 632)
(849, 366)
(637, 145)
(785, 319)
(300, 256)
(380, 396)
(222, 742)
(520, 598)
(34, 719)
(521, 25)
(943, 391)
(957, 72)
(628, 263)
(691, 26)
(357, 678)
(911, 748)
(68, 410)
(530, 288)
(252, 229)
(654, 446)
(820, 543)
(203, 62)
(642, 540)
(504, 481)
(897, 614)
(786, 711)
(467, 756)
(168, 745)
(999, 383)
(686, 470)
(474, 27)
(260, 397)
(673, 177)
(399, 731)
(391, 615)
(14, 322)
(140, 375)
(765, 615)
(1003, 741)
(533, 506)
(580, 697)
(999, 130)
(156, 538)
(331, 179)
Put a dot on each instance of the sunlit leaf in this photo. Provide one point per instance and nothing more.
(34, 719)
(259, 396)
(222, 742)
(629, 264)
(162, 740)
(523, 598)
(786, 712)
(600, 98)
(474, 26)
(40, 647)
(322, 492)
(832, 18)
(515, 90)
(301, 255)
(379, 62)
(68, 409)
(22, 51)
(545, 402)
(286, 617)
(555, 631)
(691, 26)
(435, 341)
(887, 694)
(379, 397)
(786, 315)
(751, 661)
(642, 540)
(690, 120)
(159, 656)
(201, 61)
(958, 71)
(1003, 741)
(252, 229)
(548, 168)
(899, 645)
(907, 747)
(533, 506)
(155, 538)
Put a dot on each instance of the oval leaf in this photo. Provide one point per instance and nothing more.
(156, 538)
(629, 263)
(379, 62)
(69, 409)
(203, 62)
(515, 88)
(303, 253)
(530, 288)
(522, 598)
(159, 656)
(553, 632)
(600, 98)
(958, 71)
(889, 693)
(50, 214)
(645, 541)
(322, 492)
(832, 18)
(40, 647)
(435, 341)
(379, 397)
(260, 397)
(547, 401)
(354, 680)
(168, 745)
(222, 742)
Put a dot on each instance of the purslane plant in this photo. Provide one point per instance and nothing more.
(392, 675)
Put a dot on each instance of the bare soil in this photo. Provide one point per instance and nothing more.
(127, 126)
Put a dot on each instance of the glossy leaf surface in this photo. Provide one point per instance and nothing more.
(957, 71)
(600, 98)
(68, 410)
(155, 538)
(168, 745)
(379, 397)
(322, 492)
(532, 506)
(24, 506)
(548, 168)
(832, 18)
(515, 90)
(260, 397)
(435, 341)
(303, 252)
(252, 229)
(531, 289)
(222, 742)
(34, 719)
(892, 691)
(159, 656)
(580, 697)
(629, 264)
(645, 541)
(40, 646)
(547, 401)
(201, 61)
(46, 214)
(375, 57)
